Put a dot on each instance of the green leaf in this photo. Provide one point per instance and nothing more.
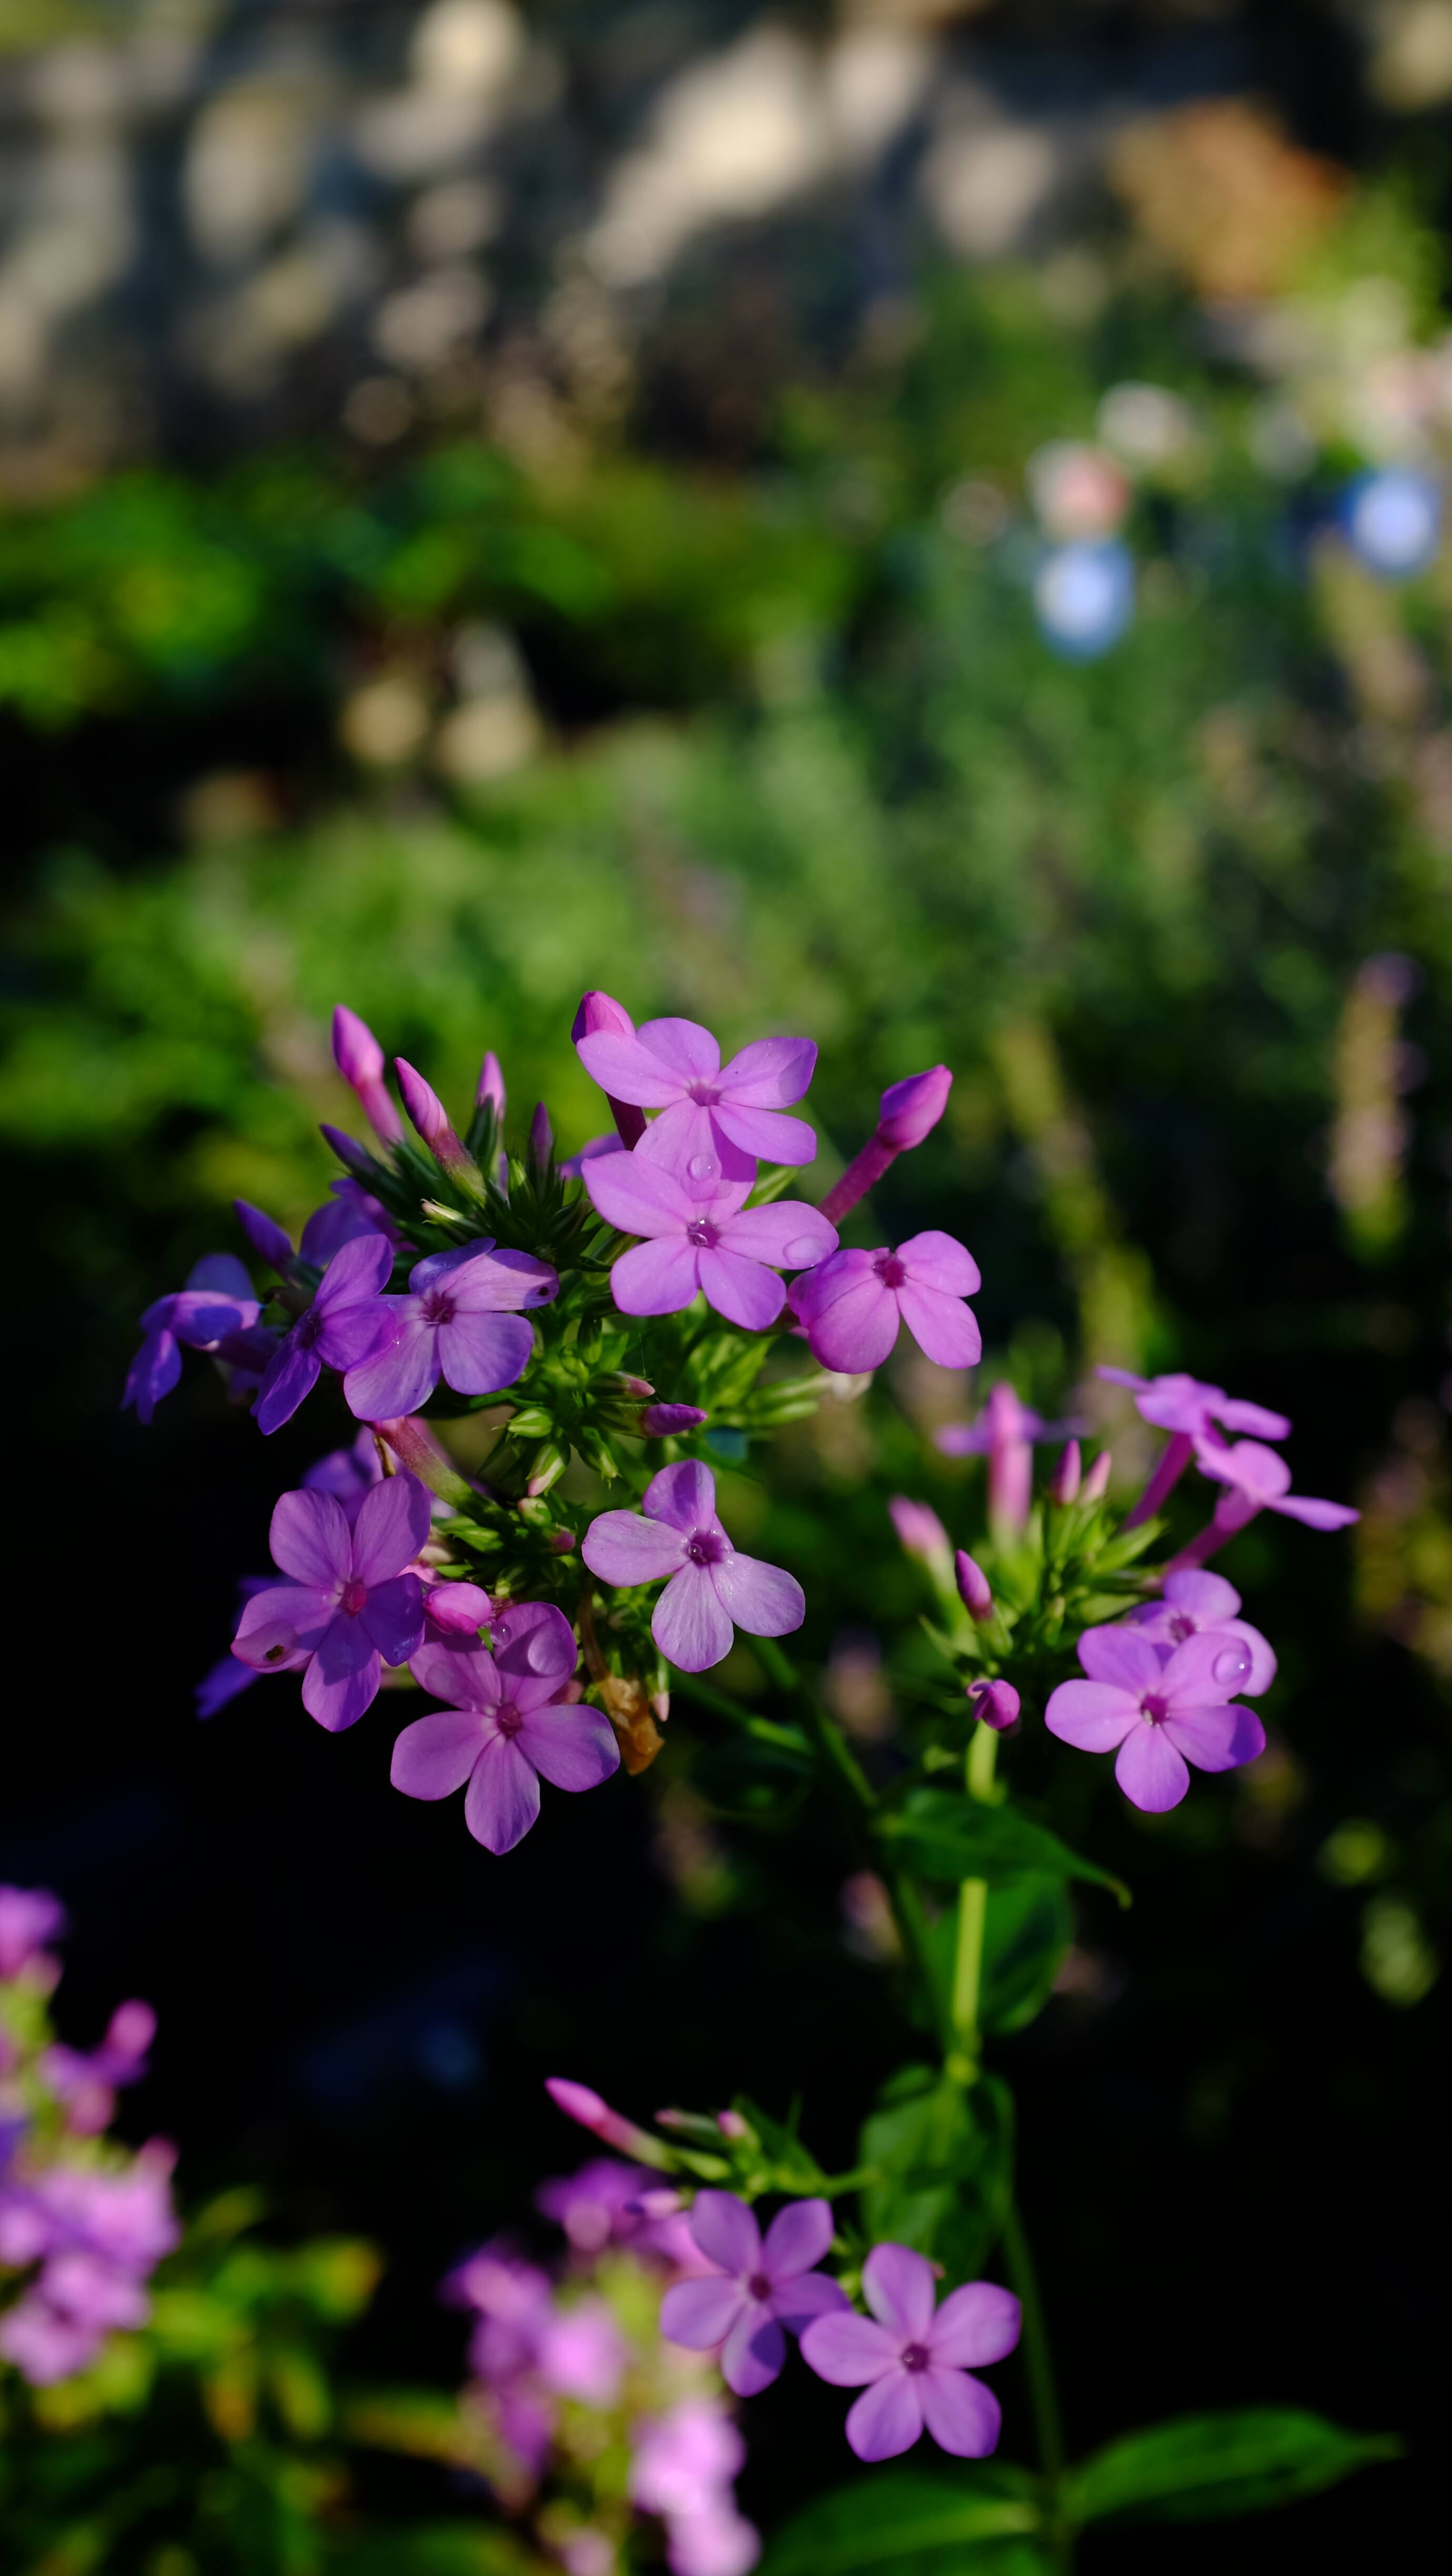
(941, 2157)
(1027, 1928)
(915, 2522)
(1204, 2466)
(949, 1837)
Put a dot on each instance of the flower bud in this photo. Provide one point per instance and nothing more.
(668, 1421)
(541, 1137)
(973, 1587)
(264, 1234)
(910, 1110)
(1096, 1482)
(599, 1013)
(348, 1150)
(460, 1609)
(579, 2102)
(732, 2125)
(359, 1059)
(491, 1085)
(994, 1703)
(1064, 1484)
(920, 1533)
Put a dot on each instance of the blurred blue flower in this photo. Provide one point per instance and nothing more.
(1393, 520)
(1084, 597)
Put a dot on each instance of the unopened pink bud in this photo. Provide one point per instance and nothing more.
(655, 2204)
(131, 2029)
(1064, 1484)
(430, 1117)
(597, 1013)
(668, 1421)
(460, 1609)
(973, 1587)
(994, 1703)
(561, 1542)
(579, 2102)
(541, 1137)
(639, 1388)
(356, 1051)
(347, 1148)
(911, 1109)
(919, 1530)
(731, 2125)
(264, 1234)
(1096, 1483)
(491, 1085)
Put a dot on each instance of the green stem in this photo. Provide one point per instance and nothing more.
(722, 1705)
(972, 1918)
(1037, 2361)
(830, 1742)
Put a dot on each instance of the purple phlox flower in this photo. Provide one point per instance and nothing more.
(573, 1166)
(337, 1328)
(29, 1917)
(512, 2299)
(347, 1473)
(98, 2234)
(1006, 1432)
(1260, 1478)
(350, 1211)
(431, 1119)
(350, 1604)
(459, 1321)
(994, 1703)
(702, 1239)
(581, 2102)
(907, 1114)
(914, 2365)
(44, 2344)
(1189, 1411)
(669, 1421)
(87, 2081)
(1163, 1710)
(581, 2352)
(713, 2541)
(1195, 1604)
(714, 1118)
(682, 2469)
(853, 1303)
(506, 1726)
(920, 1533)
(600, 1015)
(593, 2206)
(710, 1586)
(210, 1313)
(455, 1610)
(757, 2289)
(359, 1059)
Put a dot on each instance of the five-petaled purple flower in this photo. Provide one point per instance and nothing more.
(701, 1239)
(714, 1117)
(757, 2289)
(338, 1327)
(507, 1726)
(1163, 1710)
(216, 1311)
(1260, 1478)
(349, 1603)
(1190, 1411)
(1194, 1605)
(853, 1302)
(710, 1585)
(913, 2364)
(459, 1322)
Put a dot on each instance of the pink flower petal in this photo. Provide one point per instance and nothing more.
(888, 2418)
(1315, 1515)
(535, 1650)
(857, 1329)
(962, 2415)
(341, 1682)
(479, 1353)
(797, 2238)
(392, 1617)
(900, 2288)
(1120, 1656)
(627, 1069)
(281, 1611)
(1151, 1773)
(849, 2351)
(769, 1074)
(399, 1376)
(765, 1133)
(484, 1280)
(572, 1747)
(940, 1262)
(789, 1235)
(434, 1757)
(741, 1290)
(689, 1624)
(1215, 1739)
(701, 2313)
(755, 2351)
(310, 1539)
(974, 2325)
(392, 1524)
(1206, 1598)
(690, 1051)
(621, 1547)
(805, 2296)
(1258, 1471)
(943, 1328)
(636, 1195)
(1094, 1716)
(684, 1495)
(463, 1675)
(356, 1273)
(762, 1599)
(502, 1800)
(832, 1279)
(1206, 1670)
(657, 1278)
(726, 2232)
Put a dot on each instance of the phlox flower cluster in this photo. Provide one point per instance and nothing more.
(83, 2223)
(585, 2420)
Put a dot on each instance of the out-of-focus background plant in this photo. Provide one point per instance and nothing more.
(921, 524)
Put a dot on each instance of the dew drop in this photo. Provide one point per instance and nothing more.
(801, 1255)
(1232, 1667)
(702, 1167)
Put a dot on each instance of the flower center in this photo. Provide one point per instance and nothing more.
(704, 1094)
(308, 1327)
(352, 1597)
(438, 1307)
(758, 2287)
(703, 1547)
(890, 1270)
(914, 2356)
(1181, 1627)
(1152, 1708)
(703, 1234)
(507, 1718)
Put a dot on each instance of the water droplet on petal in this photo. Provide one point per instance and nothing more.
(801, 1255)
(1232, 1666)
(702, 1167)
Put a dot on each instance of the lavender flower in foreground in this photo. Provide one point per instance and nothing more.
(914, 2364)
(756, 2290)
(349, 1606)
(705, 1240)
(459, 1322)
(714, 1116)
(508, 1724)
(678, 1534)
(337, 1328)
(214, 1312)
(853, 1303)
(1162, 1710)
(1195, 1604)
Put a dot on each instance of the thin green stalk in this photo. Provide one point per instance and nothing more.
(722, 1705)
(831, 1743)
(972, 1918)
(1038, 2363)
